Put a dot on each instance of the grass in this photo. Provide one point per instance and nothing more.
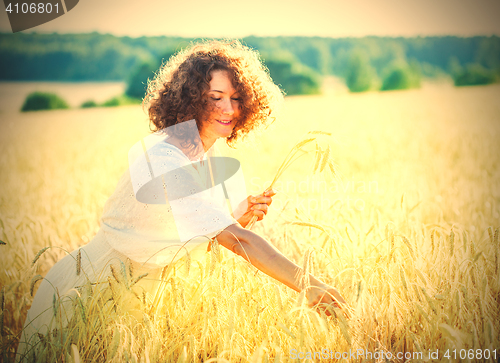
(409, 234)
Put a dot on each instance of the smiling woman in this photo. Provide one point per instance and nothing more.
(168, 202)
(182, 90)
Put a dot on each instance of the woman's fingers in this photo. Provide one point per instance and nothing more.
(261, 199)
(269, 193)
(336, 296)
(259, 210)
(258, 205)
(264, 198)
(327, 299)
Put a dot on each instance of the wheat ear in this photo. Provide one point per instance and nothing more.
(294, 154)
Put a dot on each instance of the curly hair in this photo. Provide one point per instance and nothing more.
(179, 89)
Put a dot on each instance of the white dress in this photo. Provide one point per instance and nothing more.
(148, 236)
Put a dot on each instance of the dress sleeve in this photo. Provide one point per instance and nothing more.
(198, 206)
(164, 206)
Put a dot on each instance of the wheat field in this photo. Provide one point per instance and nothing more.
(409, 233)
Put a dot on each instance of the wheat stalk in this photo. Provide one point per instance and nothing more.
(113, 272)
(37, 256)
(321, 160)
(54, 304)
(403, 279)
(78, 262)
(34, 280)
(2, 306)
(140, 277)
(452, 244)
(490, 232)
(130, 267)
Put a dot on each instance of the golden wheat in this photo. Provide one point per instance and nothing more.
(413, 287)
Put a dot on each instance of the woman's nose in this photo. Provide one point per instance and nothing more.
(227, 107)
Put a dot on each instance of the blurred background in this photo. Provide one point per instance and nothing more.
(314, 48)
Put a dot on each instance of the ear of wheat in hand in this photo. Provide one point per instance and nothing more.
(322, 158)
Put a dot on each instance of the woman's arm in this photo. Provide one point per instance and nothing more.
(272, 262)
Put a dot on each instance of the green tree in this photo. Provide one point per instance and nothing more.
(121, 100)
(360, 75)
(94, 56)
(454, 66)
(89, 104)
(401, 76)
(293, 77)
(37, 101)
(473, 75)
(138, 80)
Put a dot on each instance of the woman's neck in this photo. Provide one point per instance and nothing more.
(207, 143)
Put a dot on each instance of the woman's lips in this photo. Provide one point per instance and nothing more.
(224, 122)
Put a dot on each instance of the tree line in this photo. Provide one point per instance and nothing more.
(297, 64)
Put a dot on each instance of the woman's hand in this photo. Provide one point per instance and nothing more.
(322, 296)
(257, 205)
(264, 256)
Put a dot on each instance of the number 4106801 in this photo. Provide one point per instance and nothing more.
(471, 354)
(32, 8)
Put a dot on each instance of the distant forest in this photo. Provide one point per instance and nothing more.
(296, 63)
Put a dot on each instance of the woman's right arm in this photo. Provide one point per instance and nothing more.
(272, 262)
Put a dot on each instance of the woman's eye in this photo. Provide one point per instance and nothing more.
(236, 99)
(215, 98)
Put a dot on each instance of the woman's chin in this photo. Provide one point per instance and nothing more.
(225, 136)
(226, 133)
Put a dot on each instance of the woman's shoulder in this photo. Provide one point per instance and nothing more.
(154, 151)
(160, 146)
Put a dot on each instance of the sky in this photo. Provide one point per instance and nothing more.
(234, 19)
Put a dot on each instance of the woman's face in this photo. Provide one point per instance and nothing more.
(224, 101)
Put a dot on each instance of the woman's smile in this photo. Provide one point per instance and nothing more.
(224, 122)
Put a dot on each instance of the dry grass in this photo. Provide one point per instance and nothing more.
(409, 235)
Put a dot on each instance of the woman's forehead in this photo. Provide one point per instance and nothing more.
(221, 82)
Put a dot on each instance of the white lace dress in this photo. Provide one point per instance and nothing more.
(147, 235)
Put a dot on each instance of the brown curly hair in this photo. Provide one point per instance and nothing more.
(179, 89)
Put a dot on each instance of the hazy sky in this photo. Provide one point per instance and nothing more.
(223, 18)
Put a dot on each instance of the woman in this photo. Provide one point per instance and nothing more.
(173, 197)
